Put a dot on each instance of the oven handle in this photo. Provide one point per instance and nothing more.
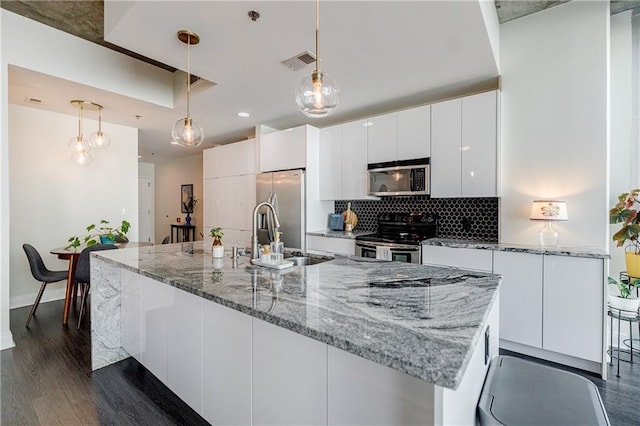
(393, 246)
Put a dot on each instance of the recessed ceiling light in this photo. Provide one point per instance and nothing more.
(367, 124)
(244, 114)
(174, 143)
(139, 156)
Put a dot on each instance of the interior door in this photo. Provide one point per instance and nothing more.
(145, 210)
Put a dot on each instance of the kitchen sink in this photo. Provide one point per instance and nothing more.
(307, 260)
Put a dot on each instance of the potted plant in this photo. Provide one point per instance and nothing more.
(217, 248)
(626, 212)
(622, 297)
(102, 234)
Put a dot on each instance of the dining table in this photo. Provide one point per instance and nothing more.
(72, 254)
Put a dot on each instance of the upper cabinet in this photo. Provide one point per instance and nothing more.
(403, 135)
(283, 150)
(464, 143)
(343, 161)
(233, 159)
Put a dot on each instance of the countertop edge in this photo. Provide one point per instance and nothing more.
(556, 251)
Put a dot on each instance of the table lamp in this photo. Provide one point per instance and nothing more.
(548, 210)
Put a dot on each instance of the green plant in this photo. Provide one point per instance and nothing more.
(625, 212)
(217, 235)
(624, 289)
(94, 233)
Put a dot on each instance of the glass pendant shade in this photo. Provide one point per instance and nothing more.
(317, 95)
(82, 158)
(99, 139)
(187, 132)
(78, 144)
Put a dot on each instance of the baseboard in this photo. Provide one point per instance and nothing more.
(571, 361)
(28, 299)
(6, 340)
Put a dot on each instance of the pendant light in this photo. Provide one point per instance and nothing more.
(78, 146)
(187, 132)
(318, 94)
(99, 139)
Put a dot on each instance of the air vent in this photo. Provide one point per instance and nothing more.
(31, 100)
(299, 61)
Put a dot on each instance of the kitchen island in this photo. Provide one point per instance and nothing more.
(349, 340)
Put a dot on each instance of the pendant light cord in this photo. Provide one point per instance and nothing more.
(80, 118)
(188, 74)
(317, 35)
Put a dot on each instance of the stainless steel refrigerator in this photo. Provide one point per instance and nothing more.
(286, 191)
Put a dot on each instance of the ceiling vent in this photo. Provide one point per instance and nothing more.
(299, 61)
(31, 100)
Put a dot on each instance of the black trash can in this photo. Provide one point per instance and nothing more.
(520, 392)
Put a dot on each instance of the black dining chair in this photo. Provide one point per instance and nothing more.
(83, 274)
(40, 273)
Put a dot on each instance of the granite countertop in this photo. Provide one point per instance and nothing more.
(339, 234)
(422, 320)
(588, 252)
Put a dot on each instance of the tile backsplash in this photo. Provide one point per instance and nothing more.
(468, 218)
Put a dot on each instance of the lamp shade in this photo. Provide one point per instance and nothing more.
(549, 210)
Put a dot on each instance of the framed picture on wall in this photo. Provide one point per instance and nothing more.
(186, 194)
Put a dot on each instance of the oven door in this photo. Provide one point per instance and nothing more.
(399, 252)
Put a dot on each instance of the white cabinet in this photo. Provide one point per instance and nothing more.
(331, 163)
(477, 260)
(289, 377)
(226, 368)
(403, 135)
(573, 306)
(464, 142)
(333, 245)
(354, 160)
(479, 145)
(283, 150)
(229, 202)
(156, 301)
(521, 296)
(414, 133)
(233, 159)
(343, 161)
(446, 139)
(381, 138)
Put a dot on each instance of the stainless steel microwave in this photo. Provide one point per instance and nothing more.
(399, 178)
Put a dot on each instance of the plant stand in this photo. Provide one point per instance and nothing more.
(620, 354)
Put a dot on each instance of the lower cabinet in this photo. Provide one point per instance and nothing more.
(521, 296)
(226, 365)
(477, 260)
(334, 245)
(289, 377)
(574, 306)
(184, 348)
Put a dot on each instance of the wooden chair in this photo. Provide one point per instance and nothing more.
(40, 273)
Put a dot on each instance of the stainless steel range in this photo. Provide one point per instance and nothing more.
(399, 237)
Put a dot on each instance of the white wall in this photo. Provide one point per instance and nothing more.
(170, 175)
(52, 198)
(72, 59)
(621, 124)
(554, 116)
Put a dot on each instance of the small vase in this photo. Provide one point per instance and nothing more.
(187, 219)
(217, 251)
(105, 239)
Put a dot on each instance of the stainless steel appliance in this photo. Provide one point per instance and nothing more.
(399, 237)
(285, 191)
(399, 178)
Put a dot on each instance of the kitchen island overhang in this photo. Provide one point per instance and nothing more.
(425, 322)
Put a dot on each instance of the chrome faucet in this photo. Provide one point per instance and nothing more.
(255, 251)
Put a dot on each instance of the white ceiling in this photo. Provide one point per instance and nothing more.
(383, 55)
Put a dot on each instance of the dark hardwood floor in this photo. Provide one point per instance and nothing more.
(47, 380)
